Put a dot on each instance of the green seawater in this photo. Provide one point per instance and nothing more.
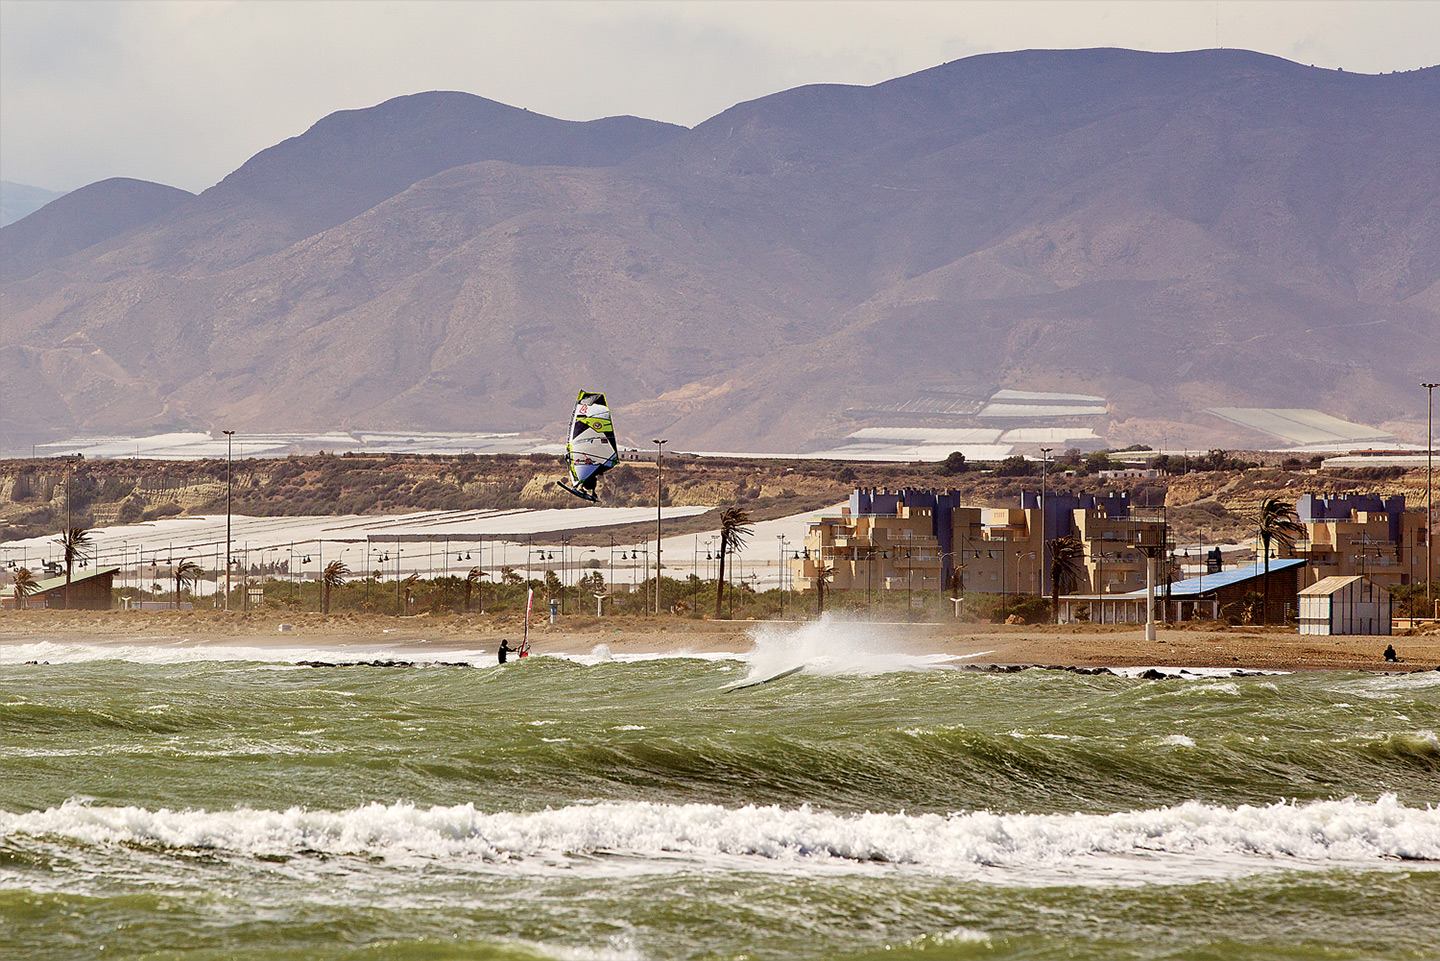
(157, 806)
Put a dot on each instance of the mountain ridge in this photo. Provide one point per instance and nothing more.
(1173, 231)
(81, 219)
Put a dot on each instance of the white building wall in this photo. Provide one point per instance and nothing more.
(1356, 608)
(1314, 614)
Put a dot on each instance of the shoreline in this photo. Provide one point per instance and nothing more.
(1212, 646)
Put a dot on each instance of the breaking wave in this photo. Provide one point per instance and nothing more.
(1315, 834)
(834, 646)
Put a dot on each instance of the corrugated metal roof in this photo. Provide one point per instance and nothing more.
(50, 583)
(1196, 586)
(1331, 585)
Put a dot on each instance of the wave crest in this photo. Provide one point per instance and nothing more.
(1320, 832)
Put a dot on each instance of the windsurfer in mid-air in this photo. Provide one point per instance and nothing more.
(591, 449)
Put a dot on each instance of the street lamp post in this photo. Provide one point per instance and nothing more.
(1044, 528)
(869, 574)
(1429, 489)
(781, 571)
(229, 447)
(940, 577)
(659, 470)
(645, 552)
(1004, 589)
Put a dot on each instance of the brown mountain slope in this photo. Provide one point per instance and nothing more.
(1172, 231)
(81, 219)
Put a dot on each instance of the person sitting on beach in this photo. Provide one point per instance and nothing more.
(505, 649)
(1390, 653)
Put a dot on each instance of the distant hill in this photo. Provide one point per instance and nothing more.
(82, 219)
(22, 200)
(1169, 231)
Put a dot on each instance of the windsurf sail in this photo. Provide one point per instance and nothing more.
(591, 449)
(525, 642)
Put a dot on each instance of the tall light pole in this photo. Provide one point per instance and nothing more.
(229, 447)
(659, 458)
(1429, 489)
(1044, 530)
(781, 539)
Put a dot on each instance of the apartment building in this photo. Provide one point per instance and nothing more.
(922, 540)
(1360, 535)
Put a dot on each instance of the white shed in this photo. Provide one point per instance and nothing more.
(1345, 605)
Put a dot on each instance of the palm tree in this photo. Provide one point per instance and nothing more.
(1277, 521)
(472, 580)
(186, 572)
(822, 581)
(25, 585)
(333, 576)
(76, 545)
(735, 529)
(1066, 554)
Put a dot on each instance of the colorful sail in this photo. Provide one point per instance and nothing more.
(591, 450)
(525, 643)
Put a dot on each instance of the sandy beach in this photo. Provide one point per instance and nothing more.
(1208, 646)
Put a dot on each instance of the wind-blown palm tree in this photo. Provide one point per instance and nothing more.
(735, 530)
(1066, 554)
(1277, 521)
(76, 545)
(25, 585)
(333, 576)
(822, 580)
(186, 572)
(472, 580)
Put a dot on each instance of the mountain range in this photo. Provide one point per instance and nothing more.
(1169, 231)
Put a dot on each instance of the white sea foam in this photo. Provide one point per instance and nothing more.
(832, 646)
(1325, 833)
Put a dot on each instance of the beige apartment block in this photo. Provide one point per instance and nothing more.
(1361, 536)
(903, 545)
(1114, 555)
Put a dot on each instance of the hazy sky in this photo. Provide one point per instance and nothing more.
(184, 91)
